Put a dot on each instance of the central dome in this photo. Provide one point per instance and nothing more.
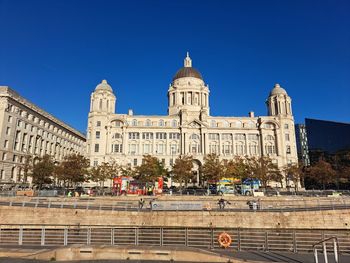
(187, 71)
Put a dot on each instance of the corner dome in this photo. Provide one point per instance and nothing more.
(277, 90)
(104, 86)
(187, 71)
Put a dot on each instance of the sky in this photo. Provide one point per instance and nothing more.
(54, 53)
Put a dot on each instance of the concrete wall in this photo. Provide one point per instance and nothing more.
(329, 219)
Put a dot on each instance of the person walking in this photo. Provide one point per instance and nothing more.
(221, 203)
(141, 203)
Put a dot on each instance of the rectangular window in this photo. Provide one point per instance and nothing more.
(6, 144)
(95, 163)
(147, 135)
(226, 136)
(135, 162)
(8, 131)
(213, 136)
(98, 123)
(97, 148)
(174, 135)
(134, 135)
(4, 156)
(19, 123)
(117, 148)
(239, 136)
(286, 126)
(98, 134)
(287, 137)
(161, 135)
(9, 119)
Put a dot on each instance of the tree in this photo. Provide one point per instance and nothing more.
(182, 170)
(150, 169)
(294, 173)
(264, 170)
(43, 170)
(73, 169)
(27, 167)
(237, 168)
(323, 172)
(212, 169)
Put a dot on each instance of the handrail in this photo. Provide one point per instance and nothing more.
(324, 249)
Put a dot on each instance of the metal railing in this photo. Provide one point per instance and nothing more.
(262, 205)
(296, 240)
(323, 242)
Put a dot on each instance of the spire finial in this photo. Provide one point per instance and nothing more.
(188, 61)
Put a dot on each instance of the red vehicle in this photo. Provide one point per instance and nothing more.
(127, 185)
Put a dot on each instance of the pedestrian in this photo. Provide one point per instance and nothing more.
(141, 203)
(221, 203)
(70, 194)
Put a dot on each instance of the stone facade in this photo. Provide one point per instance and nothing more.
(26, 129)
(188, 128)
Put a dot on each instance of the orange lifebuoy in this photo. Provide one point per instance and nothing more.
(224, 240)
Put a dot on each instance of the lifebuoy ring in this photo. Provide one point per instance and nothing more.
(224, 240)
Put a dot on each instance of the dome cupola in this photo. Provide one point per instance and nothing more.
(187, 71)
(104, 86)
(277, 90)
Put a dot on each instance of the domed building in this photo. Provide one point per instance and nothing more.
(188, 128)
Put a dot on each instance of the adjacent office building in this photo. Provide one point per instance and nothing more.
(25, 129)
(319, 137)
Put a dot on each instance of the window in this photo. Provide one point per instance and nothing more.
(19, 123)
(161, 123)
(134, 122)
(213, 136)
(161, 135)
(134, 135)
(6, 144)
(226, 136)
(135, 162)
(9, 119)
(8, 131)
(98, 134)
(269, 126)
(160, 148)
(174, 123)
(270, 148)
(2, 174)
(117, 148)
(97, 148)
(98, 124)
(95, 163)
(288, 149)
(118, 123)
(213, 124)
(286, 126)
(240, 148)
(117, 136)
(253, 149)
(148, 123)
(194, 137)
(239, 136)
(174, 136)
(147, 135)
(287, 137)
(133, 148)
(147, 148)
(4, 156)
(269, 138)
(214, 148)
(253, 137)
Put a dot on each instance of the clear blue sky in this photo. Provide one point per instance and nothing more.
(54, 53)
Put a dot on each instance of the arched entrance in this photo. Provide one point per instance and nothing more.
(197, 172)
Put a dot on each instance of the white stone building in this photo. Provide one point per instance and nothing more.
(188, 128)
(25, 129)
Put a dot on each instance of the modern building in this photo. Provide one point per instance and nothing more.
(25, 129)
(188, 128)
(302, 144)
(322, 138)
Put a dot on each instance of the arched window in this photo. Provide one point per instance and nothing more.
(240, 148)
(161, 123)
(269, 138)
(174, 123)
(213, 124)
(117, 136)
(148, 123)
(134, 122)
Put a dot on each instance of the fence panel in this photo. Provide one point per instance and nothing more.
(199, 237)
(54, 237)
(280, 241)
(174, 237)
(9, 236)
(253, 239)
(124, 236)
(149, 236)
(305, 239)
(101, 236)
(77, 236)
